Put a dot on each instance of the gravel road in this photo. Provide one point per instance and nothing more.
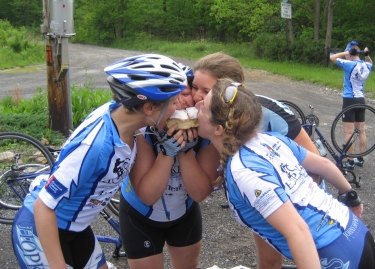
(225, 243)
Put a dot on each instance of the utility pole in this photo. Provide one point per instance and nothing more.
(57, 28)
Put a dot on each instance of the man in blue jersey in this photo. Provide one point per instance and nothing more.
(356, 71)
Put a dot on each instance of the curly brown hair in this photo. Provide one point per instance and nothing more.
(243, 120)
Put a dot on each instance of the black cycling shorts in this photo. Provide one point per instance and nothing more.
(353, 115)
(77, 247)
(143, 237)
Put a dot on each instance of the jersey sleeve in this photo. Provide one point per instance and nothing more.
(277, 117)
(81, 162)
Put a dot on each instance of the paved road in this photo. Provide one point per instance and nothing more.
(223, 244)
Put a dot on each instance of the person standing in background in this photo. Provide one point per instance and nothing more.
(356, 71)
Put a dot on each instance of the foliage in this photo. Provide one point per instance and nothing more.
(22, 12)
(31, 115)
(85, 100)
(32, 124)
(17, 48)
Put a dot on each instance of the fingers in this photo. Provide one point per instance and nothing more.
(191, 134)
(358, 210)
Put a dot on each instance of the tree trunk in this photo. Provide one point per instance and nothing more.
(289, 30)
(329, 29)
(120, 21)
(316, 19)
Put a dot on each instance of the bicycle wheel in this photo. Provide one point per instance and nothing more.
(296, 110)
(338, 137)
(22, 158)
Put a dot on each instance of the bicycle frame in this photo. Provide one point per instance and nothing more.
(117, 241)
(313, 129)
(20, 178)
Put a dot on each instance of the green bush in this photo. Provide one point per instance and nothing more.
(32, 124)
(17, 47)
(271, 47)
(31, 116)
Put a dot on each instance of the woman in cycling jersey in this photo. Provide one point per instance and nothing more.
(52, 229)
(159, 205)
(270, 192)
(276, 118)
(356, 71)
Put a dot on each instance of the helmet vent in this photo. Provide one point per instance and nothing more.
(177, 69)
(176, 81)
(134, 77)
(162, 74)
(143, 66)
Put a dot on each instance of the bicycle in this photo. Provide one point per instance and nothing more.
(23, 159)
(338, 139)
(20, 156)
(295, 110)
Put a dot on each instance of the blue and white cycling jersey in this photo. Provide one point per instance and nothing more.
(176, 199)
(264, 174)
(90, 168)
(355, 75)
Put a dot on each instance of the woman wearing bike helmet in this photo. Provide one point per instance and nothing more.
(270, 192)
(185, 97)
(52, 229)
(159, 205)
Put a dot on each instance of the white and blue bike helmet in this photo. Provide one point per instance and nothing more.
(144, 78)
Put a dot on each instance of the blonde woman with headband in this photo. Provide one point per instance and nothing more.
(270, 192)
(275, 117)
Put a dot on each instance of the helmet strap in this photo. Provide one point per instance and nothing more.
(154, 128)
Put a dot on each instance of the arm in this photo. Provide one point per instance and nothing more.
(198, 172)
(297, 233)
(268, 257)
(149, 175)
(327, 170)
(46, 225)
(304, 140)
(367, 58)
(334, 57)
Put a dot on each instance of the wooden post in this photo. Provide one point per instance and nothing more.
(58, 93)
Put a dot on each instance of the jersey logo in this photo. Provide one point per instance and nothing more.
(258, 192)
(331, 222)
(272, 152)
(334, 263)
(142, 97)
(94, 203)
(294, 174)
(55, 188)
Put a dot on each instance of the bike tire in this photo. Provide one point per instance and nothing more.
(20, 156)
(337, 131)
(296, 110)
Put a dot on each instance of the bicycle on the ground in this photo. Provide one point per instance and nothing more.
(341, 145)
(22, 159)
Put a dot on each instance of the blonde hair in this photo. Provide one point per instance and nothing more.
(221, 65)
(244, 117)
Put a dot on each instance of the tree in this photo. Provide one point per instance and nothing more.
(329, 28)
(316, 19)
